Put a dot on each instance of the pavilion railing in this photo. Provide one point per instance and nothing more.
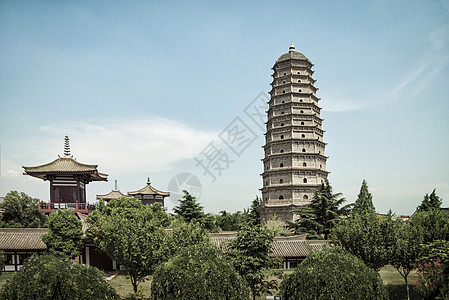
(45, 207)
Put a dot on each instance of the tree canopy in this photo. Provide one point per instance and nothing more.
(65, 234)
(189, 209)
(318, 218)
(333, 274)
(198, 272)
(250, 255)
(56, 278)
(21, 210)
(430, 201)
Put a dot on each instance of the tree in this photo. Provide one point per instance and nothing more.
(65, 234)
(364, 200)
(253, 216)
(21, 210)
(189, 209)
(429, 202)
(249, 253)
(368, 236)
(434, 224)
(317, 218)
(2, 261)
(197, 272)
(333, 274)
(131, 234)
(406, 251)
(56, 278)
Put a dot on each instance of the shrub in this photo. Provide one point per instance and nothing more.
(198, 272)
(51, 277)
(333, 274)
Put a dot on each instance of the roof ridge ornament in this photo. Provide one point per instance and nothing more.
(148, 181)
(67, 146)
(291, 48)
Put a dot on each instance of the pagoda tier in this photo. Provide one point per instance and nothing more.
(68, 179)
(295, 161)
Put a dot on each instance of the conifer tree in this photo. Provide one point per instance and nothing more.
(430, 201)
(364, 201)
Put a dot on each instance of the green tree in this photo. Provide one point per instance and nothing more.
(21, 210)
(364, 200)
(131, 234)
(253, 216)
(189, 209)
(56, 278)
(65, 234)
(197, 272)
(2, 261)
(434, 224)
(429, 202)
(333, 274)
(317, 218)
(250, 254)
(406, 252)
(368, 236)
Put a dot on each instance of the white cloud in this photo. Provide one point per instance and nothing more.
(126, 146)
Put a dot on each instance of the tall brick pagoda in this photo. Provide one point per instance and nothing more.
(295, 161)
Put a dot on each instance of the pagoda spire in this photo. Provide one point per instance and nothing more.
(67, 146)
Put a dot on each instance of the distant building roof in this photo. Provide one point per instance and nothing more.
(149, 190)
(111, 195)
(22, 238)
(66, 166)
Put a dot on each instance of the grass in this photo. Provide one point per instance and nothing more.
(392, 280)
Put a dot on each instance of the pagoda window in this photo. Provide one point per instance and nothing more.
(282, 137)
(285, 74)
(304, 164)
(283, 81)
(303, 135)
(283, 91)
(281, 165)
(300, 90)
(281, 181)
(305, 197)
(281, 197)
(300, 100)
(266, 183)
(302, 123)
(301, 111)
(282, 124)
(298, 73)
(282, 151)
(321, 166)
(299, 80)
(283, 101)
(303, 149)
(304, 180)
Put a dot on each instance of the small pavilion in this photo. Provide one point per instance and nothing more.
(149, 195)
(68, 179)
(114, 194)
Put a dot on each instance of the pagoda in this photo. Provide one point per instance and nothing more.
(149, 195)
(114, 194)
(68, 179)
(295, 161)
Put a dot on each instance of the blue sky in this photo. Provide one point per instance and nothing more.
(142, 88)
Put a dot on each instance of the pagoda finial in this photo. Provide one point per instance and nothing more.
(292, 48)
(67, 146)
(148, 181)
(116, 189)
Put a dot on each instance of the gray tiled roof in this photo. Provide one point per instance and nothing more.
(22, 238)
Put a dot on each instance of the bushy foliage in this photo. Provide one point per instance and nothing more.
(364, 200)
(56, 278)
(368, 236)
(189, 209)
(333, 274)
(131, 234)
(197, 272)
(21, 210)
(319, 217)
(431, 281)
(431, 201)
(65, 234)
(250, 253)
(434, 224)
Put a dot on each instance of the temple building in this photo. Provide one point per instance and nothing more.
(295, 161)
(149, 195)
(114, 194)
(68, 179)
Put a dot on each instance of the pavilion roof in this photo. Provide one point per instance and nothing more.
(66, 166)
(292, 54)
(149, 190)
(22, 238)
(114, 194)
